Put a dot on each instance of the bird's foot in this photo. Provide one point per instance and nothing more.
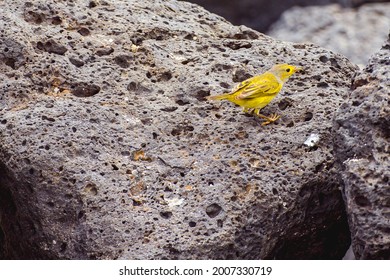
(270, 119)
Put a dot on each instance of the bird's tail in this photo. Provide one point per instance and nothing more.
(219, 97)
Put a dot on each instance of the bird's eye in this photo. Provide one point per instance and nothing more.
(288, 70)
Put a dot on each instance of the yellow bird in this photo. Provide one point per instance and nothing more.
(255, 93)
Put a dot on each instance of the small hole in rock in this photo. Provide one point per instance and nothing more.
(136, 203)
(92, 4)
(362, 201)
(175, 131)
(63, 247)
(356, 103)
(91, 188)
(213, 210)
(123, 61)
(324, 59)
(85, 90)
(84, 31)
(166, 76)
(114, 167)
(80, 215)
(202, 94)
(290, 124)
(182, 102)
(166, 215)
(322, 85)
(76, 62)
(192, 224)
(169, 109)
(132, 86)
(56, 20)
(308, 116)
(104, 51)
(284, 103)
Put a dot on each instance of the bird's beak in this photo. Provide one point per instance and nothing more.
(298, 69)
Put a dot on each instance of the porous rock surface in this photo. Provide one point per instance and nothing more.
(362, 134)
(109, 149)
(337, 28)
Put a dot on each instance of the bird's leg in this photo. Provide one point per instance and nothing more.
(270, 119)
(256, 112)
(248, 110)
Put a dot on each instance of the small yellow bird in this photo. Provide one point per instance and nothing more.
(255, 93)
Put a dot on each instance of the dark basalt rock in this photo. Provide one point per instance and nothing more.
(117, 154)
(362, 149)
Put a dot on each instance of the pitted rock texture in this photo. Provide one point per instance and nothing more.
(336, 28)
(109, 149)
(362, 149)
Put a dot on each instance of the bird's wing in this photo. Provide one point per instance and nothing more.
(243, 84)
(259, 86)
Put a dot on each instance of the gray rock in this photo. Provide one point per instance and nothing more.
(357, 3)
(257, 14)
(362, 149)
(355, 33)
(109, 150)
(261, 14)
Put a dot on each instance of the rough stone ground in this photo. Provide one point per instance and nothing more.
(109, 150)
(362, 148)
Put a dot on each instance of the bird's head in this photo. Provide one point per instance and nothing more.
(284, 71)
